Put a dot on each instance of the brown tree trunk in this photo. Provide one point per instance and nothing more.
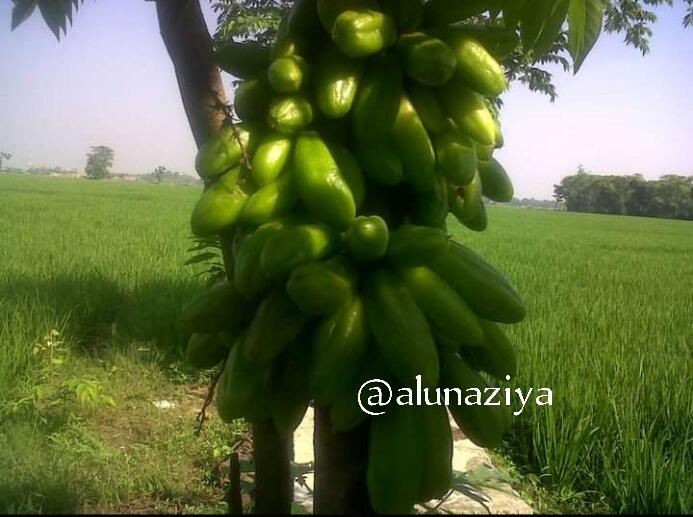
(341, 460)
(189, 45)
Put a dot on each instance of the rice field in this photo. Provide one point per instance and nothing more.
(609, 326)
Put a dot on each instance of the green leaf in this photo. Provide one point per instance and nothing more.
(584, 26)
(541, 23)
(21, 11)
(512, 12)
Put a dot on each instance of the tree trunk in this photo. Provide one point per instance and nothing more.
(189, 45)
(341, 460)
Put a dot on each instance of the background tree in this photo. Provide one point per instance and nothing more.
(159, 173)
(4, 157)
(99, 162)
(670, 196)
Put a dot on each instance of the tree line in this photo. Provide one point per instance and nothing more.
(670, 196)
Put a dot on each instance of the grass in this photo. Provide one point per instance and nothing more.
(609, 330)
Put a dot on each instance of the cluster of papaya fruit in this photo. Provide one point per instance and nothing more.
(363, 126)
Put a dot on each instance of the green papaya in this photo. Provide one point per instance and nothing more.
(321, 185)
(367, 238)
(482, 424)
(329, 10)
(296, 245)
(350, 170)
(395, 460)
(291, 385)
(380, 161)
(289, 115)
(483, 152)
(247, 60)
(336, 82)
(414, 147)
(412, 245)
(340, 344)
(436, 445)
(448, 315)
(271, 157)
(364, 32)
(276, 323)
(378, 99)
(476, 67)
(469, 112)
(225, 149)
(431, 207)
(402, 335)
(408, 14)
(345, 412)
(206, 350)
(480, 285)
(472, 202)
(428, 107)
(271, 201)
(322, 288)
(218, 308)
(500, 42)
(456, 157)
(496, 357)
(220, 206)
(242, 390)
(426, 59)
(479, 221)
(288, 74)
(251, 279)
(252, 98)
(495, 182)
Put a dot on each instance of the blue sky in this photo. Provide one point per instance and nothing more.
(110, 82)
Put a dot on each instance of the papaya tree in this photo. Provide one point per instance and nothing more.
(357, 127)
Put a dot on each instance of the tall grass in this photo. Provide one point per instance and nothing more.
(610, 331)
(100, 261)
(609, 326)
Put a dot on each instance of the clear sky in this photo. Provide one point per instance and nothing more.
(110, 82)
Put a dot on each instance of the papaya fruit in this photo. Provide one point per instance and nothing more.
(484, 289)
(220, 206)
(288, 74)
(428, 107)
(206, 350)
(364, 32)
(340, 344)
(496, 357)
(412, 245)
(426, 59)
(469, 112)
(321, 185)
(380, 161)
(289, 115)
(395, 460)
(252, 99)
(336, 83)
(367, 238)
(447, 313)
(495, 182)
(322, 288)
(270, 158)
(225, 149)
(295, 245)
(271, 201)
(436, 445)
(400, 330)
(377, 102)
(414, 147)
(276, 323)
(456, 157)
